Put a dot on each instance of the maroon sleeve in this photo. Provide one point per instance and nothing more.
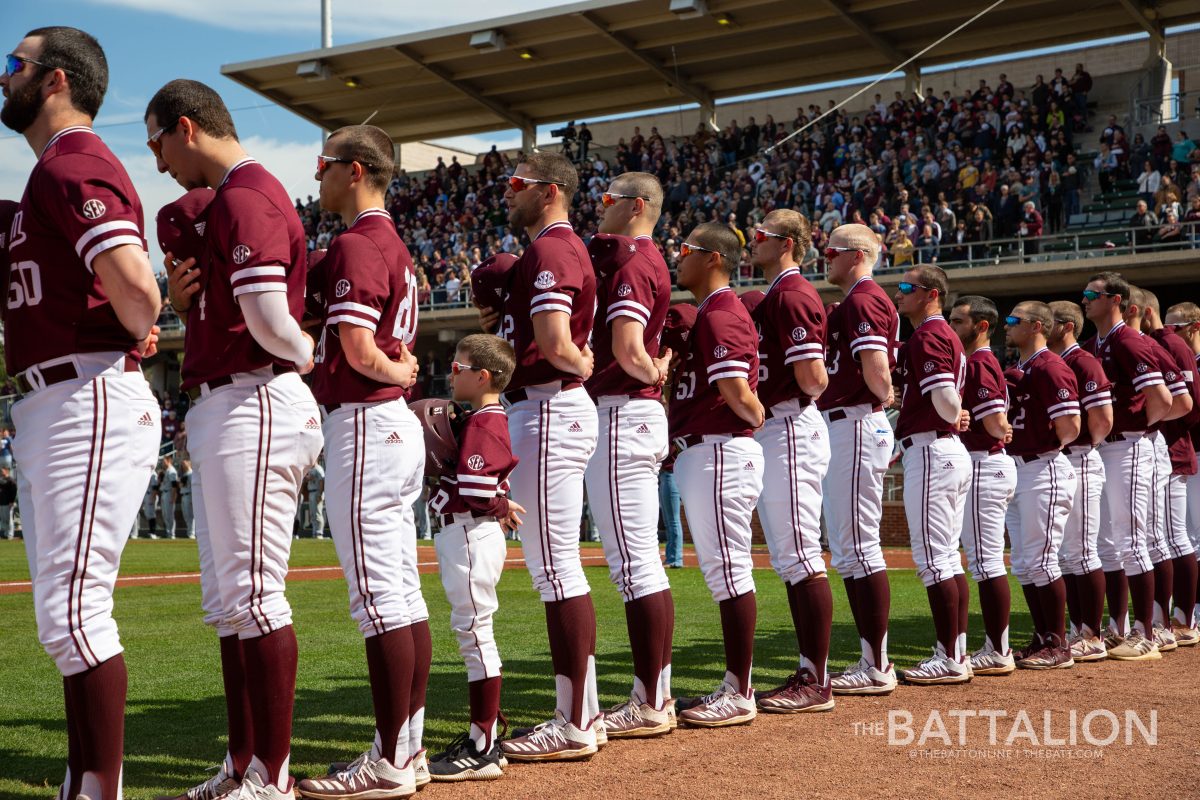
(984, 392)
(869, 324)
(356, 288)
(726, 344)
(1095, 389)
(1136, 356)
(935, 362)
(799, 329)
(632, 292)
(85, 197)
(551, 268)
(254, 243)
(482, 461)
(1056, 390)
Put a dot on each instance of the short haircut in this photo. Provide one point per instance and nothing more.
(491, 353)
(934, 277)
(1068, 312)
(1114, 283)
(859, 237)
(980, 308)
(80, 56)
(721, 238)
(792, 224)
(644, 185)
(1137, 299)
(1037, 311)
(196, 101)
(1189, 311)
(554, 167)
(1150, 301)
(369, 146)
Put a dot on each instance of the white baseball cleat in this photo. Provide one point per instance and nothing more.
(254, 787)
(363, 779)
(724, 707)
(555, 740)
(420, 765)
(634, 719)
(217, 786)
(987, 661)
(939, 669)
(863, 678)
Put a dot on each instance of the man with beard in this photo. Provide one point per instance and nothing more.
(81, 307)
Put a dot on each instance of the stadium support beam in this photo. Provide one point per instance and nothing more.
(1151, 27)
(518, 120)
(680, 84)
(878, 42)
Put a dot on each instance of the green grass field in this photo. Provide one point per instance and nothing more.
(175, 720)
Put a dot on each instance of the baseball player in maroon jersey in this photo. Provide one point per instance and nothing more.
(471, 548)
(714, 413)
(81, 305)
(547, 317)
(937, 469)
(859, 356)
(374, 452)
(1044, 414)
(633, 290)
(253, 429)
(1079, 557)
(795, 441)
(1172, 551)
(1184, 319)
(1140, 400)
(993, 480)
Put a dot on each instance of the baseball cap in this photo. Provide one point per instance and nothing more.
(680, 319)
(751, 298)
(610, 251)
(490, 279)
(181, 224)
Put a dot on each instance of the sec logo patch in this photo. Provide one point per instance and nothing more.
(930, 366)
(94, 209)
(1143, 367)
(544, 280)
(1090, 386)
(1063, 394)
(799, 334)
(475, 462)
(720, 351)
(342, 288)
(624, 290)
(864, 327)
(983, 394)
(241, 254)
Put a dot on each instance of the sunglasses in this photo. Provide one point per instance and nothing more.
(154, 142)
(686, 250)
(1011, 320)
(1092, 294)
(521, 184)
(761, 236)
(908, 288)
(14, 64)
(1177, 325)
(323, 163)
(457, 367)
(611, 198)
(833, 252)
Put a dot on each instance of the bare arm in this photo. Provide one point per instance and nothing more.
(996, 425)
(1181, 405)
(630, 351)
(811, 376)
(877, 374)
(552, 332)
(1100, 422)
(743, 402)
(1066, 428)
(1158, 403)
(125, 275)
(366, 358)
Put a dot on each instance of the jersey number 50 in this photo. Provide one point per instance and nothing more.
(24, 284)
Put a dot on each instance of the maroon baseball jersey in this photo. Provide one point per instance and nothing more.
(314, 286)
(8, 211)
(864, 320)
(485, 461)
(554, 274)
(1095, 389)
(1129, 362)
(791, 328)
(254, 243)
(931, 358)
(1196, 428)
(1178, 431)
(724, 344)
(632, 281)
(78, 203)
(1041, 390)
(369, 282)
(984, 393)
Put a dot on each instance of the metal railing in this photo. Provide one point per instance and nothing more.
(1166, 108)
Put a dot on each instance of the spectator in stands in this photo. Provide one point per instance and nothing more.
(1052, 202)
(1071, 181)
(1081, 84)
(1184, 147)
(1006, 213)
(1160, 148)
(1167, 198)
(1107, 165)
(6, 440)
(1170, 233)
(902, 249)
(1148, 182)
(958, 242)
(1192, 220)
(982, 230)
(927, 245)
(8, 502)
(1144, 222)
(1030, 228)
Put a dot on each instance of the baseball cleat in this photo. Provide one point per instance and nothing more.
(597, 725)
(672, 717)
(254, 787)
(420, 765)
(862, 678)
(1035, 644)
(937, 670)
(987, 661)
(634, 719)
(1085, 649)
(1185, 637)
(1164, 637)
(721, 709)
(1052, 656)
(1135, 647)
(555, 740)
(462, 761)
(364, 778)
(799, 694)
(1112, 638)
(218, 785)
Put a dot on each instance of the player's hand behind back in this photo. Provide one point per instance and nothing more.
(587, 362)
(512, 520)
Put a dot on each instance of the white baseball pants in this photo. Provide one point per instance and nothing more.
(622, 491)
(252, 443)
(1168, 513)
(1124, 531)
(86, 448)
(795, 443)
(1038, 515)
(860, 449)
(937, 475)
(1193, 508)
(374, 468)
(553, 434)
(470, 554)
(1079, 554)
(993, 484)
(720, 481)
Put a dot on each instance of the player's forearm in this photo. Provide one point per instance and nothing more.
(127, 280)
(996, 425)
(273, 327)
(811, 376)
(637, 363)
(563, 355)
(365, 358)
(741, 401)
(947, 403)
(1181, 406)
(876, 373)
(1158, 403)
(1100, 422)
(1066, 429)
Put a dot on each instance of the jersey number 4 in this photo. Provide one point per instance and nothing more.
(24, 284)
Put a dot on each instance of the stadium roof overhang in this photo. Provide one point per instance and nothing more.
(590, 59)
